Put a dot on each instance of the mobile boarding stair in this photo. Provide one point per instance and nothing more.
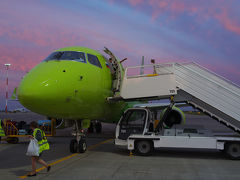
(187, 82)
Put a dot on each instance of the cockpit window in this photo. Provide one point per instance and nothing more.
(94, 60)
(67, 55)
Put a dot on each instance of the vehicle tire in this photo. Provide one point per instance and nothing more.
(98, 127)
(12, 140)
(232, 150)
(82, 146)
(144, 148)
(73, 146)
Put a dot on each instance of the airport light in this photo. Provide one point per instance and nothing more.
(7, 67)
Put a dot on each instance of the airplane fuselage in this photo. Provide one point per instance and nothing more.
(72, 83)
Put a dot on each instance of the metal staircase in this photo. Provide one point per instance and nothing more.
(209, 92)
(188, 82)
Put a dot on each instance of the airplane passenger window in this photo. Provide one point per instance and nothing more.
(67, 55)
(94, 60)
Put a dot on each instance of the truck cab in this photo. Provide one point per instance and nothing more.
(133, 121)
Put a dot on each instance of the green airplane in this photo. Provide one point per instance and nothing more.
(73, 83)
(69, 83)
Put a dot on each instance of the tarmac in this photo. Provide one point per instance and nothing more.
(103, 161)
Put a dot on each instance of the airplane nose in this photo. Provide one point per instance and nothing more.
(43, 89)
(37, 94)
(36, 91)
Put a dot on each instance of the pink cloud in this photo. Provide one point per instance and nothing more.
(135, 2)
(228, 22)
(42, 35)
(21, 58)
(47, 33)
(24, 58)
(217, 9)
(160, 4)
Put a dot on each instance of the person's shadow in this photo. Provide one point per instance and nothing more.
(24, 172)
(20, 172)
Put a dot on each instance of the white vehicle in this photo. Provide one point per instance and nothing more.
(135, 131)
(187, 83)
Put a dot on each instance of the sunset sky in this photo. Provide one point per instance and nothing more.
(204, 31)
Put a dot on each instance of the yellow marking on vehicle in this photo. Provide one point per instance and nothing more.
(68, 157)
(130, 153)
(17, 135)
(151, 75)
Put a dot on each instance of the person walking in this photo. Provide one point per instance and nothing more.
(2, 133)
(43, 145)
(154, 66)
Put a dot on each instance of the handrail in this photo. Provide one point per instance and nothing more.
(149, 65)
(11, 129)
(146, 75)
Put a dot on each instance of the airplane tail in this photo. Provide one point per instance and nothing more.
(14, 94)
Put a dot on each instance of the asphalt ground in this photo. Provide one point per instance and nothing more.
(15, 164)
(103, 161)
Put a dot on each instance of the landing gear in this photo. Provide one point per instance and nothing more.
(82, 146)
(73, 146)
(91, 127)
(79, 144)
(97, 125)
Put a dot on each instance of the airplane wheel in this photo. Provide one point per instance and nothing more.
(12, 140)
(82, 146)
(73, 146)
(144, 148)
(232, 150)
(98, 127)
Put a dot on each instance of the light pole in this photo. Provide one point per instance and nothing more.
(7, 66)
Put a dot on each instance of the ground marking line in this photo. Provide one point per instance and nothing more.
(68, 157)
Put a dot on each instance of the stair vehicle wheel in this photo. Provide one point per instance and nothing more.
(233, 150)
(73, 146)
(82, 146)
(12, 140)
(98, 127)
(144, 148)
